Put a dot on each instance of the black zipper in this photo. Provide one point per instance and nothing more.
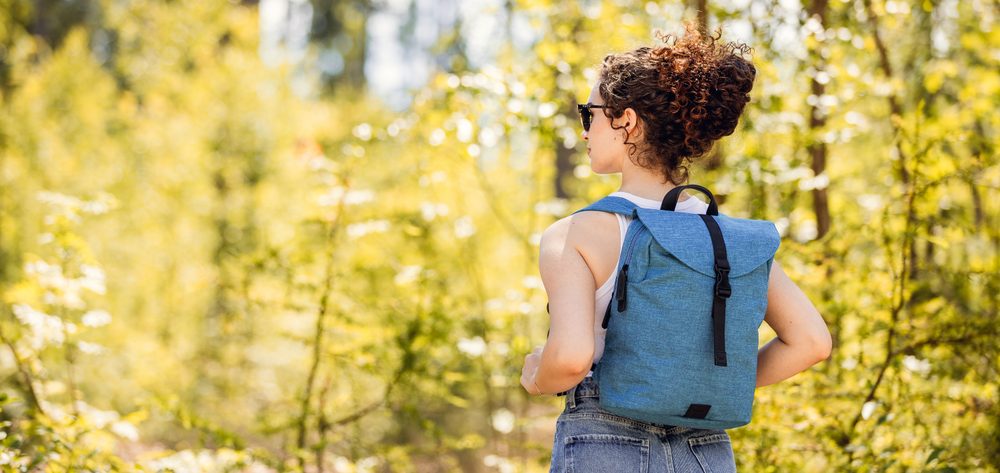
(621, 291)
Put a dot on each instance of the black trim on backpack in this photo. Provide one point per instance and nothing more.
(697, 411)
(722, 290)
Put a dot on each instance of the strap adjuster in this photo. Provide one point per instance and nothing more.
(722, 287)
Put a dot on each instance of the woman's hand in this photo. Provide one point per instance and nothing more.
(530, 370)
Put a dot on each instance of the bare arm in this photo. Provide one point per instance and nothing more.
(569, 284)
(803, 338)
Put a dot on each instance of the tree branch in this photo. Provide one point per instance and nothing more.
(320, 324)
(23, 370)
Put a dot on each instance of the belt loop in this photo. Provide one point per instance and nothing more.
(571, 398)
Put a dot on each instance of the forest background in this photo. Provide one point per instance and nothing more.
(295, 235)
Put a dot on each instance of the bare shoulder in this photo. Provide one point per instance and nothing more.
(584, 231)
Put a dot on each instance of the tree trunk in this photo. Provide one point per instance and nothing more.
(817, 121)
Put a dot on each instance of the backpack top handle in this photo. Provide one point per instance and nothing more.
(670, 201)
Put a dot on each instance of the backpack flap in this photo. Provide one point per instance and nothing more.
(749, 243)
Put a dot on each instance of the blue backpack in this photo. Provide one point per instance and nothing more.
(681, 344)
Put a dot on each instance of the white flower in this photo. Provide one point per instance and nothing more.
(818, 182)
(494, 304)
(488, 137)
(89, 348)
(332, 197)
(532, 282)
(59, 200)
(98, 417)
(342, 465)
(464, 227)
(437, 137)
(125, 430)
(96, 318)
(475, 346)
(207, 461)
(794, 174)
(360, 196)
(363, 132)
(464, 130)
(515, 106)
(556, 207)
(430, 210)
(70, 207)
(502, 464)
(54, 411)
(407, 274)
(350, 197)
(535, 239)
(500, 348)
(358, 230)
(547, 109)
(868, 409)
(367, 464)
(805, 231)
(93, 279)
(781, 225)
(916, 365)
(856, 118)
(870, 202)
(45, 328)
(503, 421)
(47, 275)
(71, 295)
(498, 380)
(102, 203)
(353, 150)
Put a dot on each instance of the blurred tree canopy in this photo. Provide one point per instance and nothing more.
(222, 249)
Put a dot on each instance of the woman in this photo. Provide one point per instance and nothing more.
(660, 108)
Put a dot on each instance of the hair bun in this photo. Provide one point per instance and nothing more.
(689, 91)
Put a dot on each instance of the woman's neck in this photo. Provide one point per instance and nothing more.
(647, 185)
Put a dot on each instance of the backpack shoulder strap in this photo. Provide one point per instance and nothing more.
(613, 204)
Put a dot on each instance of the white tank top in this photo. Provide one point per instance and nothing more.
(603, 294)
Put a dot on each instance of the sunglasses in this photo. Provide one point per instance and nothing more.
(586, 115)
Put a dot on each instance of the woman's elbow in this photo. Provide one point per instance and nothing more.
(822, 345)
(575, 362)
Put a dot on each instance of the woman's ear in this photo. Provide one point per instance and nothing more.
(631, 121)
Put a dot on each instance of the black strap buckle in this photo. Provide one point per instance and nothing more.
(722, 287)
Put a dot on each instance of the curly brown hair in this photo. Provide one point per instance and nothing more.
(688, 93)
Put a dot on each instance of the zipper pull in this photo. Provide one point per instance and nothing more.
(620, 291)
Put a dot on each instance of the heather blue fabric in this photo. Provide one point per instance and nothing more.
(589, 439)
(658, 355)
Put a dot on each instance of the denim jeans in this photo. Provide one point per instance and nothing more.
(591, 439)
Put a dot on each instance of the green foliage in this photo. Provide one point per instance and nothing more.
(204, 269)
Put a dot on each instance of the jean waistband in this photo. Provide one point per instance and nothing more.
(585, 388)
